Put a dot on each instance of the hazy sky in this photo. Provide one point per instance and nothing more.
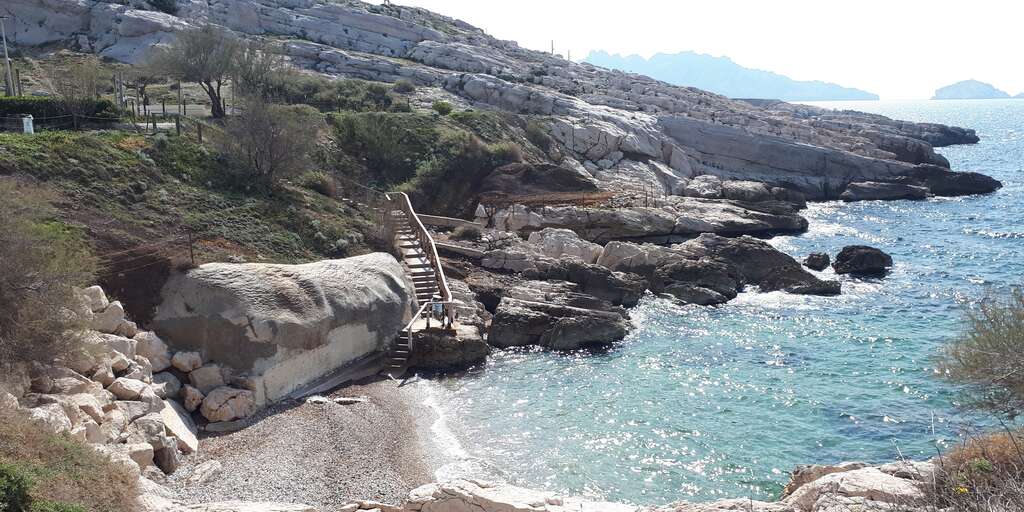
(899, 49)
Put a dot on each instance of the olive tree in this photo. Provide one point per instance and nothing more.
(207, 56)
(41, 259)
(988, 358)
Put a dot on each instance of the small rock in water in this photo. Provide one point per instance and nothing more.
(817, 261)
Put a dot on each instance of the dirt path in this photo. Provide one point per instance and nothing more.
(318, 454)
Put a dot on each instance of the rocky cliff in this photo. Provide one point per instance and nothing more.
(605, 122)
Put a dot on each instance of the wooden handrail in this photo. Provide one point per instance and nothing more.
(400, 201)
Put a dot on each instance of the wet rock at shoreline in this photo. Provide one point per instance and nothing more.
(872, 190)
(941, 181)
(862, 260)
(817, 261)
(438, 350)
(521, 323)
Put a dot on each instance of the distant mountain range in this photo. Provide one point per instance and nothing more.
(971, 90)
(723, 76)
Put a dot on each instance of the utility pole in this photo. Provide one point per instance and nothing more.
(7, 60)
(552, 47)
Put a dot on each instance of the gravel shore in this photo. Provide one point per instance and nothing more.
(320, 454)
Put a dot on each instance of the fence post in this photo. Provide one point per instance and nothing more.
(181, 106)
(199, 129)
(163, 106)
(177, 124)
(152, 118)
(191, 252)
(17, 81)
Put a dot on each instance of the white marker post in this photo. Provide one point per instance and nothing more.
(26, 124)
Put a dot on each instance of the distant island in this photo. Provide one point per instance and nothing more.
(971, 90)
(723, 76)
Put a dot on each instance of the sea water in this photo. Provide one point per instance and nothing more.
(705, 402)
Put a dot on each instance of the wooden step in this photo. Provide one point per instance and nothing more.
(414, 245)
(420, 265)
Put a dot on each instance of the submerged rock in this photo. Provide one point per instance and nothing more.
(862, 260)
(872, 190)
(817, 261)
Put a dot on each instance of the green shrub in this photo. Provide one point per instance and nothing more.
(988, 357)
(467, 233)
(537, 133)
(58, 471)
(334, 95)
(390, 145)
(166, 6)
(14, 487)
(41, 260)
(320, 182)
(42, 108)
(442, 107)
(404, 86)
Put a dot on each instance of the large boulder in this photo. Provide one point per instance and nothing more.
(750, 191)
(817, 261)
(618, 288)
(228, 404)
(438, 350)
(874, 190)
(521, 323)
(556, 243)
(481, 496)
(862, 260)
(150, 346)
(285, 324)
(869, 484)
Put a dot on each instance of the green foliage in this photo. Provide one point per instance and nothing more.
(469, 233)
(45, 472)
(446, 182)
(442, 107)
(404, 86)
(389, 145)
(537, 133)
(334, 95)
(43, 107)
(988, 358)
(320, 182)
(166, 6)
(14, 487)
(41, 260)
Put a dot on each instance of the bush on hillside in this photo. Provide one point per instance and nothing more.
(44, 107)
(988, 358)
(442, 107)
(404, 86)
(538, 135)
(389, 145)
(269, 142)
(447, 182)
(467, 233)
(165, 6)
(45, 472)
(41, 260)
(334, 95)
(319, 182)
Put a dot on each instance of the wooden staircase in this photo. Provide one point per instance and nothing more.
(416, 248)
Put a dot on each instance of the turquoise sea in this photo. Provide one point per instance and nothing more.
(706, 402)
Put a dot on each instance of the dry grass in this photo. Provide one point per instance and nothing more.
(64, 470)
(983, 474)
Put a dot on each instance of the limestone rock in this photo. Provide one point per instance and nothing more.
(520, 323)
(140, 453)
(556, 243)
(817, 261)
(127, 389)
(526, 179)
(442, 351)
(180, 426)
(150, 346)
(867, 483)
(187, 361)
(108, 320)
(873, 190)
(227, 404)
(941, 181)
(862, 260)
(191, 398)
(119, 344)
(207, 378)
(287, 324)
(95, 298)
(809, 473)
(705, 185)
(457, 495)
(52, 416)
(204, 472)
(166, 385)
(89, 405)
(750, 191)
